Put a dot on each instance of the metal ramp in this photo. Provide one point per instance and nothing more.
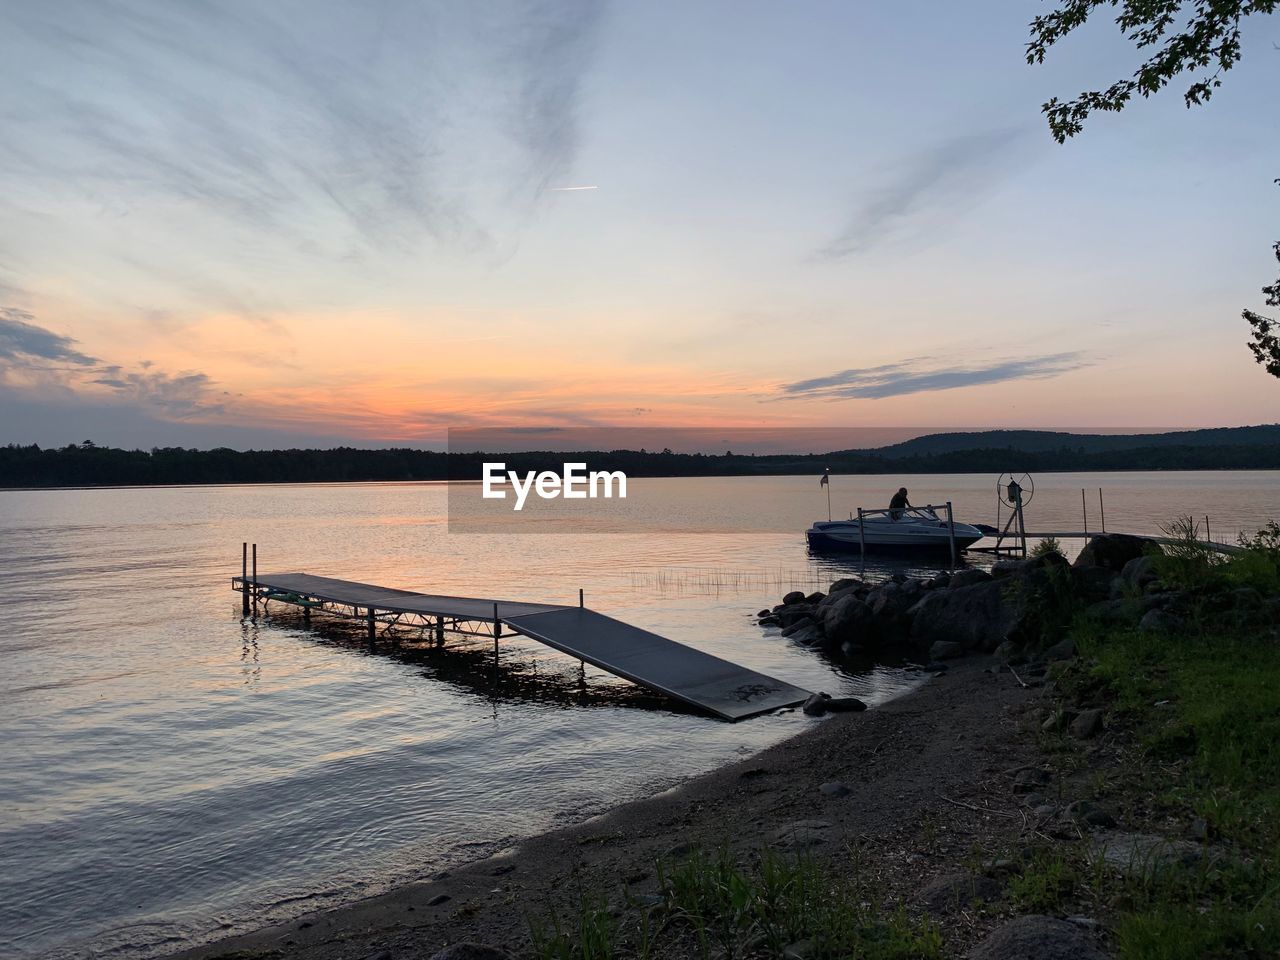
(718, 686)
(712, 684)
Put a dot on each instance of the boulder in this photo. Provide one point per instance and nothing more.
(806, 634)
(945, 650)
(979, 616)
(793, 613)
(816, 597)
(1144, 854)
(1138, 572)
(1111, 613)
(846, 619)
(797, 626)
(955, 891)
(795, 596)
(1090, 814)
(816, 705)
(1112, 550)
(939, 582)
(844, 705)
(1094, 583)
(840, 586)
(1038, 938)
(966, 578)
(1088, 723)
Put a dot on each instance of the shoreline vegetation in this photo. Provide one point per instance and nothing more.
(1090, 771)
(89, 465)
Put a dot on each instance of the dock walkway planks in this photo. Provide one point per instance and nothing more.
(718, 686)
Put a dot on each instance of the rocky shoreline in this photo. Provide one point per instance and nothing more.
(1009, 611)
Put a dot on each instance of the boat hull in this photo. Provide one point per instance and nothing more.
(845, 539)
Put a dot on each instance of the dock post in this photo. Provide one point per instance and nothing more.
(244, 579)
(1084, 510)
(497, 632)
(581, 600)
(1102, 511)
(862, 546)
(951, 535)
(1207, 538)
(373, 627)
(255, 579)
(440, 631)
(306, 614)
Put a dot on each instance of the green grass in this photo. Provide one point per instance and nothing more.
(715, 907)
(1200, 711)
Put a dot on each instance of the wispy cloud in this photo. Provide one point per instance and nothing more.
(318, 123)
(926, 187)
(921, 375)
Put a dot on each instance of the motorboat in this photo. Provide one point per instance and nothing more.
(906, 530)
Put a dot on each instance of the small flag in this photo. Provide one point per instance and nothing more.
(825, 479)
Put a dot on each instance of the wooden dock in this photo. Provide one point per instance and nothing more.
(717, 686)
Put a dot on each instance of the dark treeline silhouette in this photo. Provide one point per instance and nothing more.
(90, 465)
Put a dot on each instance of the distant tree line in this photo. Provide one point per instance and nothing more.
(90, 465)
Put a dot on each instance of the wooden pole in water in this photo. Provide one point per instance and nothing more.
(497, 631)
(862, 545)
(244, 579)
(1102, 511)
(951, 535)
(1208, 539)
(255, 579)
(581, 600)
(1084, 509)
(440, 630)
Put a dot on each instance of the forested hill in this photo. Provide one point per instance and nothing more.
(1239, 448)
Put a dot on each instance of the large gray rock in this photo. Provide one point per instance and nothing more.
(955, 891)
(1143, 854)
(1038, 938)
(980, 616)
(1094, 583)
(846, 619)
(967, 578)
(1113, 551)
(1138, 572)
(1088, 723)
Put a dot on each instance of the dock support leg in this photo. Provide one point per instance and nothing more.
(440, 631)
(306, 615)
(244, 579)
(373, 627)
(255, 579)
(497, 632)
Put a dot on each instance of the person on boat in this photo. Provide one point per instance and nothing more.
(898, 503)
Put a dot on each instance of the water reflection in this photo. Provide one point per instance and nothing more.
(523, 672)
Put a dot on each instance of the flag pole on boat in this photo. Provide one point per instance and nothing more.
(826, 482)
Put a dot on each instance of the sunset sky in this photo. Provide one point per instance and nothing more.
(253, 224)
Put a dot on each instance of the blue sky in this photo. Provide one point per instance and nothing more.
(246, 223)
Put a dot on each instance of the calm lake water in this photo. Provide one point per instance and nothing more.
(172, 773)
